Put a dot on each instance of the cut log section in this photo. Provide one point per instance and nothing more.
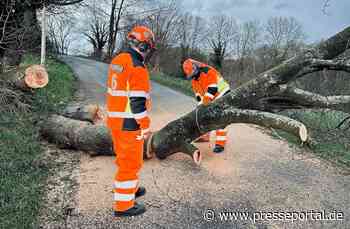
(24, 78)
(36, 77)
(90, 113)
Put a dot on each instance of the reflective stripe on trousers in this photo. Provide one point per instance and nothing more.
(129, 160)
(221, 137)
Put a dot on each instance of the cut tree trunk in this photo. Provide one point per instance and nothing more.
(242, 105)
(74, 134)
(93, 113)
(176, 137)
(24, 78)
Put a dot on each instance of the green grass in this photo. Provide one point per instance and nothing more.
(59, 90)
(329, 142)
(22, 166)
(175, 83)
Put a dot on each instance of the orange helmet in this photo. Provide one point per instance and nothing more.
(190, 68)
(142, 35)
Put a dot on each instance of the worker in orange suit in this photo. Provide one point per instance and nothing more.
(208, 85)
(128, 101)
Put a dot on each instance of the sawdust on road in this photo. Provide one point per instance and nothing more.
(256, 173)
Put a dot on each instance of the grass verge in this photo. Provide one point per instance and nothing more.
(329, 142)
(175, 83)
(22, 166)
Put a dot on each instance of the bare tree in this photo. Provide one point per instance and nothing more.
(5, 35)
(326, 5)
(198, 32)
(283, 36)
(97, 31)
(246, 42)
(117, 11)
(20, 30)
(60, 31)
(163, 24)
(114, 20)
(222, 30)
(190, 32)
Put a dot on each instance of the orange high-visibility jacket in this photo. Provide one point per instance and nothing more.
(128, 96)
(209, 84)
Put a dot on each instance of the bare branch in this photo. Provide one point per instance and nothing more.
(312, 100)
(326, 5)
(335, 65)
(63, 2)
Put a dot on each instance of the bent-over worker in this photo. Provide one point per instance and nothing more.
(208, 85)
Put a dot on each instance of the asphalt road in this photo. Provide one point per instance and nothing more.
(256, 175)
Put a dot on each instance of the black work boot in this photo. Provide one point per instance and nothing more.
(218, 149)
(141, 191)
(138, 209)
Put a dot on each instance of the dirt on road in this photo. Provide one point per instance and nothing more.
(255, 174)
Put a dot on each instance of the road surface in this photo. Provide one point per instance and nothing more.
(256, 174)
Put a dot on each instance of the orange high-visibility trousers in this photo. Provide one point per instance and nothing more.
(221, 137)
(129, 159)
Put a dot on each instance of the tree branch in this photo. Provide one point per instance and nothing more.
(335, 65)
(64, 3)
(294, 98)
(178, 134)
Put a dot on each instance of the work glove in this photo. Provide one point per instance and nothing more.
(206, 100)
(145, 133)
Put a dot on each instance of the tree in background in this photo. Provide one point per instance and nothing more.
(245, 43)
(20, 30)
(283, 37)
(114, 20)
(190, 35)
(60, 30)
(97, 31)
(222, 31)
(163, 23)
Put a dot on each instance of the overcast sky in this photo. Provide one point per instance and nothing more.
(309, 13)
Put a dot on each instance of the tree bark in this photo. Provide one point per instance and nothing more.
(242, 105)
(176, 137)
(89, 113)
(74, 134)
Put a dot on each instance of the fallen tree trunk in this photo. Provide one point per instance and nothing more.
(174, 138)
(178, 135)
(74, 134)
(242, 105)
